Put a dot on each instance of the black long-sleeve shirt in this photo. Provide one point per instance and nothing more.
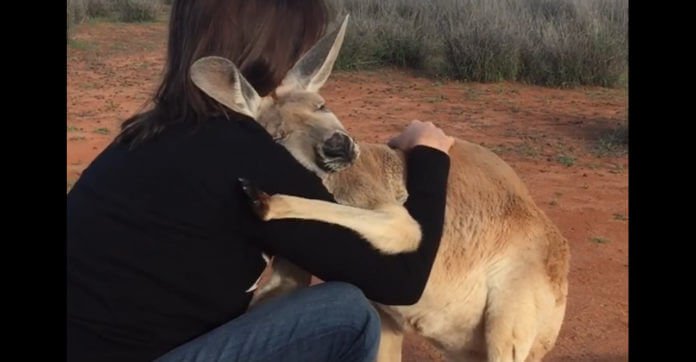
(162, 245)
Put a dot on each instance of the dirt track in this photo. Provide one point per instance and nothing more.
(549, 136)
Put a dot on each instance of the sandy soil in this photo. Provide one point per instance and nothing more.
(549, 136)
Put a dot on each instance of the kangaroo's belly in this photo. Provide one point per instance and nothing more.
(449, 315)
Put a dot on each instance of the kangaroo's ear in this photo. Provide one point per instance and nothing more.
(220, 79)
(314, 68)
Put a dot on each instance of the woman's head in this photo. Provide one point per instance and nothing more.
(264, 38)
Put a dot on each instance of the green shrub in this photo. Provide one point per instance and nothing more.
(131, 11)
(99, 8)
(76, 12)
(547, 42)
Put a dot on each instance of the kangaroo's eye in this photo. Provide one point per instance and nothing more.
(322, 107)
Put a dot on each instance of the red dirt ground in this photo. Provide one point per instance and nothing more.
(548, 135)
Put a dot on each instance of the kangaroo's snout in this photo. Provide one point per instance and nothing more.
(339, 145)
(337, 152)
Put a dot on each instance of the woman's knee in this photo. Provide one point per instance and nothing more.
(352, 301)
(348, 291)
(355, 310)
(350, 298)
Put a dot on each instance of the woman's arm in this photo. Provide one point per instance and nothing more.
(335, 253)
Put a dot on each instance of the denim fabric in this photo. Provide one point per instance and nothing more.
(327, 322)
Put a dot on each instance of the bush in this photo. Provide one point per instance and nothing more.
(131, 11)
(120, 10)
(99, 8)
(578, 45)
(547, 42)
(77, 12)
(479, 45)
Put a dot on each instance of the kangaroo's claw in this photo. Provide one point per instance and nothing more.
(259, 199)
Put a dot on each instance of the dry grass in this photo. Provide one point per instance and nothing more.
(547, 42)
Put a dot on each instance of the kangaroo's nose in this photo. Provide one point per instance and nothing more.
(338, 145)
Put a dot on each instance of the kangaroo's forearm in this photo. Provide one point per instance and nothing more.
(390, 229)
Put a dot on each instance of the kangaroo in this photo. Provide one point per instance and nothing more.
(497, 290)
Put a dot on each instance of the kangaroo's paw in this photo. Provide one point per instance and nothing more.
(259, 199)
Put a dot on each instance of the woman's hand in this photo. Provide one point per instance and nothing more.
(422, 134)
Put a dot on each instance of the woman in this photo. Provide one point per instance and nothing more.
(163, 249)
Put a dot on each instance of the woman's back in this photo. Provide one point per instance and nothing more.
(158, 235)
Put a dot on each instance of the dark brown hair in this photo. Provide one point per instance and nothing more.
(264, 38)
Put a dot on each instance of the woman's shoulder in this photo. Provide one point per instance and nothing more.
(235, 123)
(242, 136)
(251, 152)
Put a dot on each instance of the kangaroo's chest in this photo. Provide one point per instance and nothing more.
(366, 191)
(376, 178)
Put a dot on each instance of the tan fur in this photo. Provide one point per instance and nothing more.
(498, 287)
(388, 227)
(293, 120)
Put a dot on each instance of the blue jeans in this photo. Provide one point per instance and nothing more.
(329, 322)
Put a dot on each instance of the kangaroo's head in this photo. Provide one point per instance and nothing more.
(294, 114)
